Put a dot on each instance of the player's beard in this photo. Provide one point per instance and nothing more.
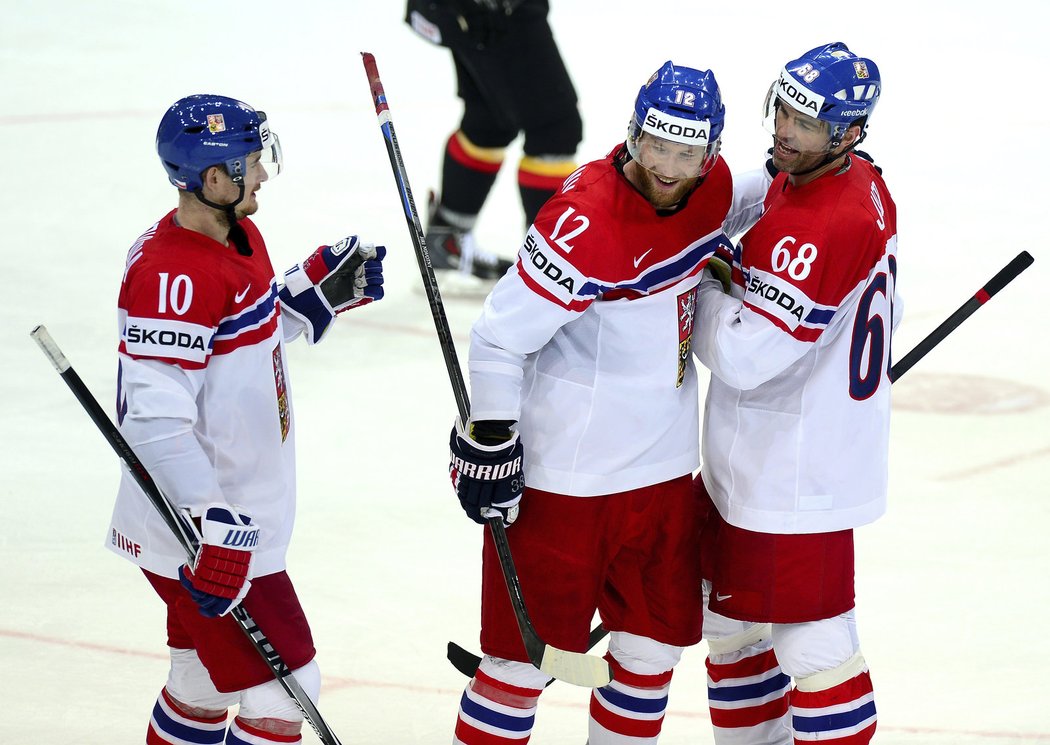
(658, 193)
(789, 160)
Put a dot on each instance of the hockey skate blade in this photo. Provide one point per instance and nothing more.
(573, 667)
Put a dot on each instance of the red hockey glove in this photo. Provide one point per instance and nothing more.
(218, 580)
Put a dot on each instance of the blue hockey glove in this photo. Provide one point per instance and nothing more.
(487, 477)
(334, 278)
(218, 580)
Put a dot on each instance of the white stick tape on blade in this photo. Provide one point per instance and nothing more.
(47, 344)
(575, 668)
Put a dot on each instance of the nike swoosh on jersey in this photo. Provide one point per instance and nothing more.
(240, 295)
(638, 259)
(720, 597)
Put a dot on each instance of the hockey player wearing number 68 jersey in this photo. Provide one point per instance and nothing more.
(582, 376)
(796, 424)
(204, 398)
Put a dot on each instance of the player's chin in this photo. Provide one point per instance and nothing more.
(249, 207)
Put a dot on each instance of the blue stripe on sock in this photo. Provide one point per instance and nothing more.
(749, 691)
(169, 726)
(833, 722)
(494, 718)
(633, 703)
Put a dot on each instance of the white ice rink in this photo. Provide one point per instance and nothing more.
(953, 587)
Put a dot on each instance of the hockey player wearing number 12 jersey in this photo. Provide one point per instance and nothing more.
(205, 400)
(796, 424)
(581, 373)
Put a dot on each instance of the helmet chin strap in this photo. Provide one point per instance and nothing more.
(237, 234)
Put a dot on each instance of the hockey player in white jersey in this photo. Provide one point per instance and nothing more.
(204, 398)
(796, 424)
(582, 375)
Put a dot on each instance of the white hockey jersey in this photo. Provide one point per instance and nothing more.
(796, 424)
(203, 393)
(586, 341)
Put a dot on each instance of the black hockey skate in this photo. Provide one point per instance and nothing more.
(460, 266)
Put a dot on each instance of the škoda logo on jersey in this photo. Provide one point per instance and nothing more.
(780, 299)
(155, 337)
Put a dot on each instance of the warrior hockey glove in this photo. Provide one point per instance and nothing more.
(332, 279)
(218, 580)
(487, 477)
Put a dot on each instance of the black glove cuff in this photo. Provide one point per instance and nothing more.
(491, 432)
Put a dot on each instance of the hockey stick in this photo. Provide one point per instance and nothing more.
(181, 527)
(1005, 276)
(467, 662)
(572, 667)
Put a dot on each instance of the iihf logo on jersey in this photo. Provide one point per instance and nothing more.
(686, 316)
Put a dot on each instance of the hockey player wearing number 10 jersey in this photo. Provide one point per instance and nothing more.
(796, 424)
(205, 400)
(581, 373)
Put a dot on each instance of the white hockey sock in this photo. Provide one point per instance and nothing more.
(629, 710)
(496, 712)
(747, 692)
(836, 706)
(168, 725)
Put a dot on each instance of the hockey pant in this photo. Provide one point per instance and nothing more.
(498, 706)
(750, 668)
(191, 711)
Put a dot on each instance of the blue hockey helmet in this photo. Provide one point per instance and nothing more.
(829, 83)
(680, 105)
(202, 131)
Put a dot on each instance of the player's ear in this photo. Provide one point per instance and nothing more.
(851, 137)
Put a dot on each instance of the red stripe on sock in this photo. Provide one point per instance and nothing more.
(465, 159)
(530, 180)
(473, 736)
(271, 736)
(504, 693)
(750, 716)
(744, 668)
(177, 707)
(844, 693)
(622, 725)
(637, 680)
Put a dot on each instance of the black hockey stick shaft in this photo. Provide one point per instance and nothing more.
(180, 526)
(1003, 277)
(537, 650)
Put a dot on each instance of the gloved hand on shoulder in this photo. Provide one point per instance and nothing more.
(333, 279)
(485, 468)
(218, 580)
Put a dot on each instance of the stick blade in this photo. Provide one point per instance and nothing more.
(576, 668)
